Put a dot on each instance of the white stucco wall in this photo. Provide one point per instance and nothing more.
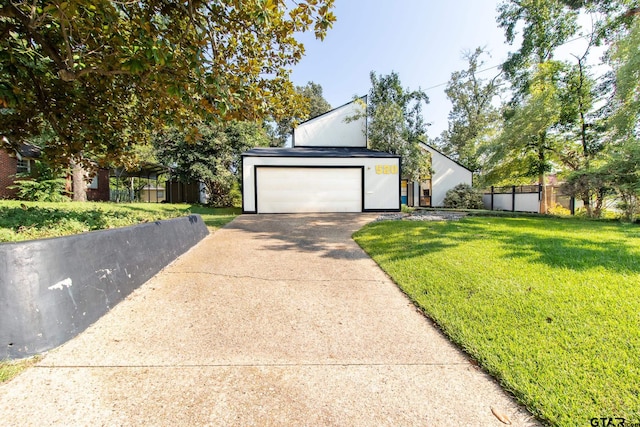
(446, 175)
(381, 190)
(332, 129)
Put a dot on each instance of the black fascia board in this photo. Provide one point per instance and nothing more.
(316, 152)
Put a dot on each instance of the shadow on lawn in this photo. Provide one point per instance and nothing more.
(574, 254)
(574, 245)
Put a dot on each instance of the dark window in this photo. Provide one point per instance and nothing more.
(24, 166)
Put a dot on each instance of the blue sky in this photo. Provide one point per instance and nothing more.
(422, 40)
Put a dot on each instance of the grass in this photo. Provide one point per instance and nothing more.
(9, 370)
(34, 220)
(550, 307)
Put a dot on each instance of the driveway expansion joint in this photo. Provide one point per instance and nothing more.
(250, 365)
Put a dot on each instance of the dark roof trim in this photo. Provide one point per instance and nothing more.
(29, 151)
(442, 154)
(21, 149)
(329, 147)
(145, 170)
(341, 152)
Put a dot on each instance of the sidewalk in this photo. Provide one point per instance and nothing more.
(273, 320)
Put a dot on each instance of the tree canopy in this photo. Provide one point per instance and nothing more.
(395, 123)
(560, 117)
(473, 119)
(101, 75)
(211, 155)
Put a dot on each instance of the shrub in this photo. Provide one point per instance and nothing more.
(559, 210)
(48, 190)
(407, 209)
(43, 185)
(463, 196)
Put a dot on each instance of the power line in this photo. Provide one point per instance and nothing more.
(501, 64)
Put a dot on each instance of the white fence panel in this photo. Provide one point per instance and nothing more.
(527, 202)
(518, 199)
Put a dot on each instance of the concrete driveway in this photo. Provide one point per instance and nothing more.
(274, 320)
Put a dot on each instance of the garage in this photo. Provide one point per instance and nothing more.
(328, 169)
(310, 189)
(291, 180)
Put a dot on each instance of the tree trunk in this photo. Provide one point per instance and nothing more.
(79, 182)
(586, 201)
(597, 212)
(544, 205)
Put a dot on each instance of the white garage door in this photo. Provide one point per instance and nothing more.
(291, 190)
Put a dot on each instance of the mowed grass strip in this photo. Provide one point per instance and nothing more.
(34, 220)
(550, 307)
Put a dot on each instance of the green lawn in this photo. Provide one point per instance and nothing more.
(550, 307)
(33, 220)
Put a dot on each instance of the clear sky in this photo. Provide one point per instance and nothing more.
(422, 40)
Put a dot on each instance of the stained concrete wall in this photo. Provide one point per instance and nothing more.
(53, 289)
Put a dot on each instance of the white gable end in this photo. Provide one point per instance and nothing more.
(446, 175)
(332, 129)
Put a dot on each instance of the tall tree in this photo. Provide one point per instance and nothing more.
(396, 125)
(624, 164)
(473, 118)
(210, 154)
(546, 24)
(101, 73)
(526, 148)
(625, 59)
(616, 142)
(581, 128)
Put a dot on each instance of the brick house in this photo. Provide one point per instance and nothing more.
(22, 160)
(13, 162)
(97, 185)
(98, 188)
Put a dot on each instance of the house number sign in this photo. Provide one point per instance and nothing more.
(387, 169)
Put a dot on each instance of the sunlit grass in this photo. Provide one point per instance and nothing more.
(33, 220)
(549, 307)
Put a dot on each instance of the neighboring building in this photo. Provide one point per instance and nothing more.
(98, 188)
(97, 184)
(181, 192)
(13, 162)
(329, 169)
(447, 173)
(152, 194)
(23, 159)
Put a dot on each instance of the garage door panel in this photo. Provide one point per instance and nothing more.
(290, 189)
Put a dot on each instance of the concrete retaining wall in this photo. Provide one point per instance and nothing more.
(53, 289)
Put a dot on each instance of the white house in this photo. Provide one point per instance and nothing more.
(446, 174)
(328, 169)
